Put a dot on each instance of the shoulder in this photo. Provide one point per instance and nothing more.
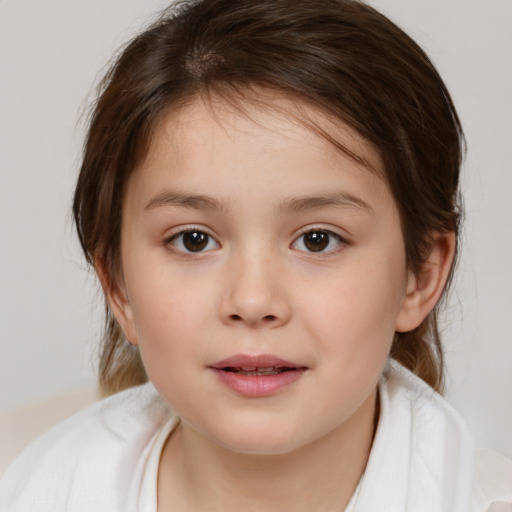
(492, 490)
(84, 462)
(430, 411)
(441, 442)
(426, 444)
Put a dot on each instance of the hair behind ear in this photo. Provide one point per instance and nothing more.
(417, 343)
(420, 351)
(120, 364)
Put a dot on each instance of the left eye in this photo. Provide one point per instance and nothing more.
(318, 240)
(193, 241)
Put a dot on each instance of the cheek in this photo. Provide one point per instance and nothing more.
(163, 318)
(356, 312)
(165, 300)
(169, 340)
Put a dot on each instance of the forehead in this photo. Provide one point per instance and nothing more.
(215, 137)
(241, 113)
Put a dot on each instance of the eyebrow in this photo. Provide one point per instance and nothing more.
(295, 204)
(191, 201)
(336, 200)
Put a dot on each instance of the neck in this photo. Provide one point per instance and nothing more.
(197, 474)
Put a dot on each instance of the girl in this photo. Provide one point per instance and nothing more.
(269, 196)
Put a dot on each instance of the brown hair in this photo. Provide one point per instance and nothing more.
(343, 57)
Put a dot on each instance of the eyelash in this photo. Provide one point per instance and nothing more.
(189, 230)
(326, 238)
(341, 242)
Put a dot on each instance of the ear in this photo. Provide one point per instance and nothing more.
(118, 300)
(425, 289)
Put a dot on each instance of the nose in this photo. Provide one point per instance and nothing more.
(255, 294)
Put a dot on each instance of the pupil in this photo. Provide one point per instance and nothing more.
(195, 240)
(316, 241)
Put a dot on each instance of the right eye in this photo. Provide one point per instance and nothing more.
(192, 241)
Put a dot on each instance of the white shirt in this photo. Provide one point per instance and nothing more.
(105, 458)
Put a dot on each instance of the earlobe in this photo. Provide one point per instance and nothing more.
(118, 300)
(425, 288)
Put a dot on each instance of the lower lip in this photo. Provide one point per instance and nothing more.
(259, 385)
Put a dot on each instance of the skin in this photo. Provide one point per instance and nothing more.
(257, 288)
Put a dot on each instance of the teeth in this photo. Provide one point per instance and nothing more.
(261, 372)
(254, 370)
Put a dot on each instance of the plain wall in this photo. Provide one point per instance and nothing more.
(50, 55)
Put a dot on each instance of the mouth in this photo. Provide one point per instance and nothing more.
(257, 371)
(257, 376)
(261, 364)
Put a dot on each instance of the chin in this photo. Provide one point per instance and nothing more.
(260, 442)
(262, 448)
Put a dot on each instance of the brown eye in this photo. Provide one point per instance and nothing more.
(193, 241)
(318, 240)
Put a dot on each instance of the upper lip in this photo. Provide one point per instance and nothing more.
(254, 361)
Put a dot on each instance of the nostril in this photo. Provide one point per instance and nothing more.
(266, 318)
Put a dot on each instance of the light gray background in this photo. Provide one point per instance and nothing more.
(50, 56)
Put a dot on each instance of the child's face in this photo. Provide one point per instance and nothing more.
(291, 251)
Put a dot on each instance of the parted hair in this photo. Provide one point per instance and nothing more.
(341, 56)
